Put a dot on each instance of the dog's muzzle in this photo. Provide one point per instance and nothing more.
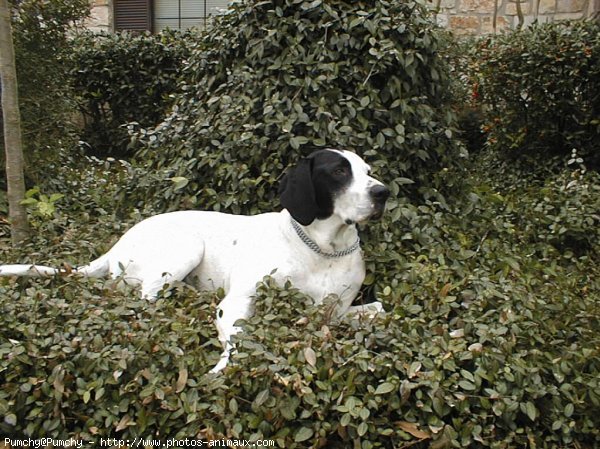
(379, 194)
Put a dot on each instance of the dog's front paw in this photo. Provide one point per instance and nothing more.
(367, 310)
(372, 309)
(220, 366)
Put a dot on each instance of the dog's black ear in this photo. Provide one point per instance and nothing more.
(297, 193)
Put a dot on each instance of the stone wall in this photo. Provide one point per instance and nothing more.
(462, 16)
(101, 17)
(477, 16)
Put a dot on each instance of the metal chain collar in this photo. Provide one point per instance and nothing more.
(312, 245)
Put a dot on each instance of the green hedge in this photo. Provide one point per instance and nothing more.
(476, 364)
(271, 81)
(490, 339)
(542, 87)
(122, 78)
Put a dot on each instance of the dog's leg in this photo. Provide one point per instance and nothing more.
(152, 274)
(234, 307)
(368, 310)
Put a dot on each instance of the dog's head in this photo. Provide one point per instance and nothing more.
(332, 182)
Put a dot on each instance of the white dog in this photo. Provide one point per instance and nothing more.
(313, 243)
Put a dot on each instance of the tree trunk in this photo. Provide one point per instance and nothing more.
(12, 129)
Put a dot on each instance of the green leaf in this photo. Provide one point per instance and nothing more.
(303, 434)
(356, 22)
(99, 393)
(362, 429)
(28, 201)
(297, 141)
(179, 182)
(312, 4)
(569, 410)
(531, 411)
(345, 419)
(414, 368)
(385, 388)
(310, 356)
(11, 419)
(45, 209)
(466, 385)
(261, 397)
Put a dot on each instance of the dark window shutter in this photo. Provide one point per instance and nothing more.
(133, 15)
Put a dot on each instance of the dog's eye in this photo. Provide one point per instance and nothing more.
(341, 171)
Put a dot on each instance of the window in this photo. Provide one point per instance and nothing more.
(156, 15)
(178, 14)
(132, 15)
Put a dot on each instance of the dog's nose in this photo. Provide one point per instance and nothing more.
(380, 193)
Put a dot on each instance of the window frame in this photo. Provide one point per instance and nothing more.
(140, 15)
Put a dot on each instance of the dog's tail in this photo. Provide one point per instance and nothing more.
(28, 270)
(94, 269)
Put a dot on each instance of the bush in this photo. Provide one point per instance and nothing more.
(460, 366)
(558, 210)
(271, 81)
(489, 341)
(542, 87)
(464, 92)
(81, 376)
(40, 34)
(565, 213)
(122, 78)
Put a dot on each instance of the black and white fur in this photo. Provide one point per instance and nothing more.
(327, 193)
